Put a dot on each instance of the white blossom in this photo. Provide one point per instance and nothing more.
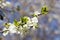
(5, 33)
(36, 13)
(8, 4)
(3, 4)
(34, 20)
(34, 28)
(25, 25)
(12, 28)
(28, 18)
(18, 32)
(21, 27)
(5, 29)
(34, 25)
(31, 22)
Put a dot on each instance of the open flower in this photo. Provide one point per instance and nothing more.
(12, 28)
(34, 20)
(36, 13)
(25, 25)
(5, 31)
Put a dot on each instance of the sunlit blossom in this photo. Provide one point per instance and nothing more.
(34, 20)
(36, 13)
(5, 32)
(23, 26)
(12, 28)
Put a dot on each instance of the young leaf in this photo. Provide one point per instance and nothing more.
(16, 23)
(44, 10)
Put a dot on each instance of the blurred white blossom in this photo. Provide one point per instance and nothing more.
(4, 34)
(8, 3)
(5, 31)
(12, 28)
(34, 20)
(3, 4)
(36, 13)
(23, 25)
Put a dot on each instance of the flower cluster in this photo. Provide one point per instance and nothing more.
(23, 26)
(25, 23)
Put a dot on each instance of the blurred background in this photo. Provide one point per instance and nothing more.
(49, 25)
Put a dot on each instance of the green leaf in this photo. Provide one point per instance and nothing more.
(44, 10)
(34, 15)
(16, 23)
(24, 20)
(5, 31)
